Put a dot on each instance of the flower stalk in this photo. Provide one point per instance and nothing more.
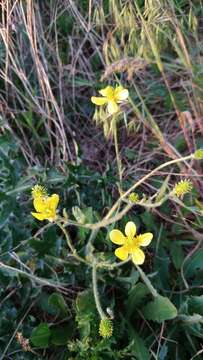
(118, 159)
(147, 282)
(69, 243)
(95, 291)
(110, 217)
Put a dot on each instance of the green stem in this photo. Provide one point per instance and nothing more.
(144, 178)
(70, 245)
(115, 134)
(147, 281)
(95, 291)
(112, 266)
(109, 219)
(89, 247)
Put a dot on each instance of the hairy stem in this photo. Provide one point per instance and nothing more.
(95, 291)
(109, 219)
(147, 281)
(69, 243)
(118, 160)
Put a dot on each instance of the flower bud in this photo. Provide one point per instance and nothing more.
(198, 154)
(105, 328)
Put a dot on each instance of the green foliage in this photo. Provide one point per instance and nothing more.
(57, 301)
(61, 334)
(72, 322)
(160, 309)
(48, 137)
(40, 335)
(139, 348)
(86, 315)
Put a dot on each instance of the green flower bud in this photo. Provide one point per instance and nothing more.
(105, 328)
(182, 187)
(134, 197)
(39, 191)
(198, 154)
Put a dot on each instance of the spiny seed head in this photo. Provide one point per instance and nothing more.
(198, 154)
(105, 328)
(39, 191)
(182, 187)
(134, 197)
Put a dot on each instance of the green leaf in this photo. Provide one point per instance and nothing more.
(194, 329)
(149, 220)
(161, 266)
(85, 302)
(160, 309)
(132, 279)
(177, 254)
(40, 335)
(43, 304)
(60, 335)
(136, 297)
(57, 301)
(194, 263)
(139, 348)
(195, 305)
(78, 215)
(85, 312)
(46, 244)
(191, 319)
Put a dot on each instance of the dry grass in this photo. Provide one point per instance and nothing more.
(44, 99)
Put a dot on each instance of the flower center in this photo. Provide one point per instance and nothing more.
(133, 242)
(111, 97)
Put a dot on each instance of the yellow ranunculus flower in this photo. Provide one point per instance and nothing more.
(45, 207)
(112, 97)
(130, 243)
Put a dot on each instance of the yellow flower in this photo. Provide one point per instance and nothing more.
(130, 243)
(182, 187)
(45, 207)
(112, 97)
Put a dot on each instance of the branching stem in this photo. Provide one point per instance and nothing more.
(70, 245)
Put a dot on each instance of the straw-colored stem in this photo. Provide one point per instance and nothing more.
(109, 219)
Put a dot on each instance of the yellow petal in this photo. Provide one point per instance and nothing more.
(40, 204)
(130, 229)
(112, 107)
(121, 93)
(121, 253)
(53, 201)
(107, 92)
(98, 100)
(145, 239)
(117, 237)
(39, 216)
(138, 256)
